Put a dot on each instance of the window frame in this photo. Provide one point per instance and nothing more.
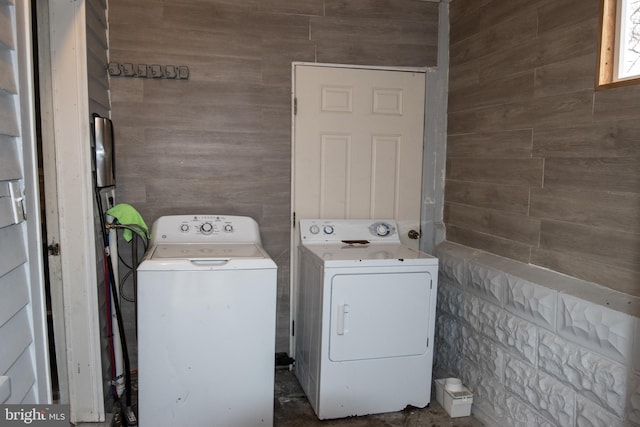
(607, 52)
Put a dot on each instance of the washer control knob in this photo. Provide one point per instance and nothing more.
(184, 228)
(383, 229)
(328, 229)
(228, 228)
(314, 229)
(206, 228)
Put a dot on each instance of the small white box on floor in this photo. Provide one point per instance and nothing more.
(455, 398)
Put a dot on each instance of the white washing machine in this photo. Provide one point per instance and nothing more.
(206, 324)
(365, 317)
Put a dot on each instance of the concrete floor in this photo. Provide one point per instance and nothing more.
(292, 409)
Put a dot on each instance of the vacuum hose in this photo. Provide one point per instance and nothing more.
(129, 414)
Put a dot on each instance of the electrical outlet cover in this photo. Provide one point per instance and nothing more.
(170, 72)
(142, 70)
(183, 72)
(128, 70)
(156, 71)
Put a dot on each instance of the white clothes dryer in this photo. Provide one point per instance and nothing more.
(365, 315)
(206, 324)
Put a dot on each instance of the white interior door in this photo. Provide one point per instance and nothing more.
(24, 363)
(357, 149)
(358, 145)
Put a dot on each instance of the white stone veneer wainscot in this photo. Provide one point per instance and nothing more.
(538, 348)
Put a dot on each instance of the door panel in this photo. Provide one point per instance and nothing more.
(358, 145)
(384, 179)
(24, 350)
(357, 149)
(334, 175)
(379, 315)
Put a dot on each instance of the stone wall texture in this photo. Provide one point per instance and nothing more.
(533, 353)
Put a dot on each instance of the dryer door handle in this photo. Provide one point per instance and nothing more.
(343, 310)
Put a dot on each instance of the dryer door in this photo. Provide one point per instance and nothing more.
(379, 315)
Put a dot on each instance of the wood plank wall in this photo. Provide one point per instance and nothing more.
(97, 55)
(221, 141)
(541, 168)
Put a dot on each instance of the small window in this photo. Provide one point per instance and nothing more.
(619, 62)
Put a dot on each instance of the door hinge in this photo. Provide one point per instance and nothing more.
(294, 220)
(293, 328)
(54, 249)
(427, 342)
(295, 106)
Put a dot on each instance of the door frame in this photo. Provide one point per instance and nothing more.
(70, 163)
(51, 199)
(292, 225)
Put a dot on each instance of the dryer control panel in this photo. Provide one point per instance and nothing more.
(351, 230)
(205, 229)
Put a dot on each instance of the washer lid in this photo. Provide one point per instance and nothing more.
(207, 251)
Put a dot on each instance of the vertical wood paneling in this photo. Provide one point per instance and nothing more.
(97, 46)
(99, 103)
(577, 194)
(239, 54)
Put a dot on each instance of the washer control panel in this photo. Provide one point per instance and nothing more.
(204, 228)
(324, 230)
